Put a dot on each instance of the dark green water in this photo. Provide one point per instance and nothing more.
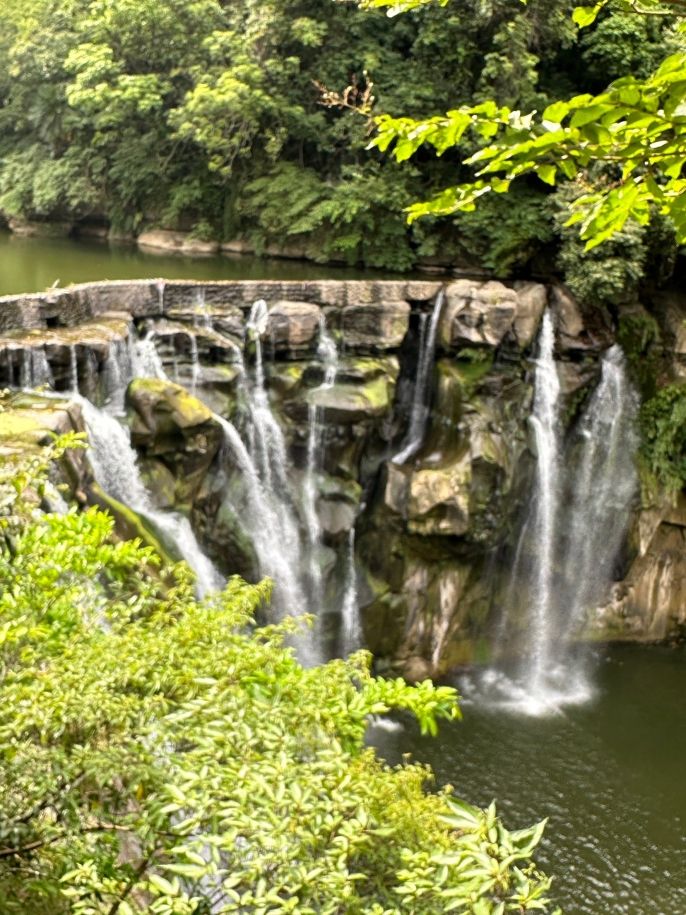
(610, 775)
(33, 264)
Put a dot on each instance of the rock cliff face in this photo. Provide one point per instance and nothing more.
(433, 528)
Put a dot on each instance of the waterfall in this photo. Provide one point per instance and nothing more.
(351, 630)
(116, 470)
(269, 459)
(328, 353)
(202, 312)
(263, 522)
(419, 414)
(35, 369)
(602, 490)
(546, 427)
(145, 360)
(41, 373)
(195, 363)
(570, 541)
(117, 372)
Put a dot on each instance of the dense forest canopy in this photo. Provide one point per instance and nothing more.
(625, 148)
(251, 119)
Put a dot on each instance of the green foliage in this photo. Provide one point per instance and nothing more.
(505, 233)
(637, 126)
(250, 119)
(160, 754)
(609, 275)
(356, 220)
(663, 433)
(638, 333)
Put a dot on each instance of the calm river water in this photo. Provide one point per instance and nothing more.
(33, 264)
(609, 775)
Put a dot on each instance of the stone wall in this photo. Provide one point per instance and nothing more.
(159, 298)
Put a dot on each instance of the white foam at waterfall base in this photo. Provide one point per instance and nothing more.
(116, 470)
(571, 538)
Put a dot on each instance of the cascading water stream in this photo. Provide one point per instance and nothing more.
(351, 629)
(570, 541)
(117, 372)
(546, 427)
(419, 414)
(35, 369)
(269, 457)
(195, 363)
(263, 523)
(145, 360)
(73, 371)
(603, 488)
(116, 470)
(202, 316)
(328, 353)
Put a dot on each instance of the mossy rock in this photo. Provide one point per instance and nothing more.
(169, 424)
(361, 369)
(348, 403)
(128, 523)
(162, 408)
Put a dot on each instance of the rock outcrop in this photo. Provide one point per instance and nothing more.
(427, 528)
(176, 435)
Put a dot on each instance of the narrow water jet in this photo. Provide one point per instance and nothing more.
(73, 370)
(328, 354)
(351, 628)
(196, 371)
(419, 414)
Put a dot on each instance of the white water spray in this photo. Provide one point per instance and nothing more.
(570, 541)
